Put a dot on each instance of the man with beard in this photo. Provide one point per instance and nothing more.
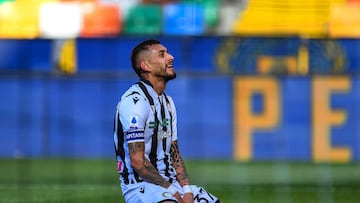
(145, 134)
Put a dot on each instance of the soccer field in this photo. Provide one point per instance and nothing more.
(90, 181)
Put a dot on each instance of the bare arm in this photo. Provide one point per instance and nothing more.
(143, 166)
(179, 164)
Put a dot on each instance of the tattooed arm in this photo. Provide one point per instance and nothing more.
(143, 166)
(179, 164)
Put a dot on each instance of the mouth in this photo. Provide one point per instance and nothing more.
(170, 66)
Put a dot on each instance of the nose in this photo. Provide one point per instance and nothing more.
(171, 57)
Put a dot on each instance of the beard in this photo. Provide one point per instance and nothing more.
(170, 76)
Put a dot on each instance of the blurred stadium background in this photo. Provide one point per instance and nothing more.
(268, 95)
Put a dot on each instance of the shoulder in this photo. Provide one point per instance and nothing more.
(133, 101)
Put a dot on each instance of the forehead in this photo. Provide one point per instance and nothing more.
(157, 48)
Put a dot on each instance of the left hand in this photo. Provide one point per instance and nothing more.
(188, 198)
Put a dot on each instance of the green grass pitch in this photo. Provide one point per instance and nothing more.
(96, 181)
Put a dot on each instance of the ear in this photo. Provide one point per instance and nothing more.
(145, 66)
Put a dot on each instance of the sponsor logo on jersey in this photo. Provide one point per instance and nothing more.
(161, 134)
(135, 99)
(164, 134)
(165, 122)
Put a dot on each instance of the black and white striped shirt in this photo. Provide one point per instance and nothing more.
(138, 119)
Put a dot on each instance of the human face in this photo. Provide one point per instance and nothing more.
(161, 62)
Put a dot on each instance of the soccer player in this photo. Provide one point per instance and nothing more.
(145, 134)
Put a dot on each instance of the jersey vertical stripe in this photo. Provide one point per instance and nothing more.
(154, 141)
(164, 143)
(171, 130)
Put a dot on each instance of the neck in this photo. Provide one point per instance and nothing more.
(158, 84)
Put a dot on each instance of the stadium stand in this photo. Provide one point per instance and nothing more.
(54, 24)
(348, 25)
(19, 19)
(283, 17)
(2, 1)
(101, 19)
(96, 18)
(159, 1)
(144, 19)
(211, 11)
(125, 6)
(183, 19)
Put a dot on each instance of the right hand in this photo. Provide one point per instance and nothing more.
(178, 197)
(188, 198)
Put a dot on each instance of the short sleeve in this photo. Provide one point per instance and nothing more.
(134, 111)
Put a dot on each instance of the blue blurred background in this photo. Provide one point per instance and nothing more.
(257, 80)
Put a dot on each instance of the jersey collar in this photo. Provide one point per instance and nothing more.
(146, 82)
(150, 88)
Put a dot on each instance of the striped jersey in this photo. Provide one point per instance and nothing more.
(144, 116)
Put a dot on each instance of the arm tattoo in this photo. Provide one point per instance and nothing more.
(179, 164)
(136, 147)
(145, 169)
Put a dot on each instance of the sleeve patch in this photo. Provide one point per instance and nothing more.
(134, 135)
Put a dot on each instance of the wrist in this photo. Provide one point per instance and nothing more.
(187, 189)
(172, 189)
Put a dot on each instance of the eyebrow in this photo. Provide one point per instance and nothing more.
(162, 51)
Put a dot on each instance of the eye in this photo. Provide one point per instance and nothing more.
(162, 53)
